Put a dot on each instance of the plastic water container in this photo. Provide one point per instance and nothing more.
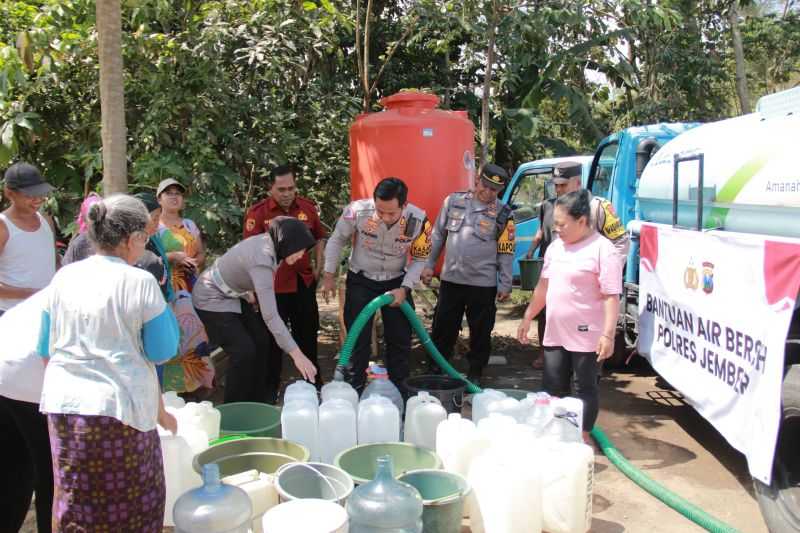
(382, 385)
(341, 390)
(574, 409)
(260, 488)
(563, 426)
(171, 399)
(316, 516)
(506, 493)
(480, 403)
(567, 472)
(541, 415)
(213, 508)
(179, 476)
(338, 428)
(378, 421)
(213, 418)
(454, 438)
(200, 416)
(300, 390)
(385, 505)
(423, 415)
(300, 423)
(504, 406)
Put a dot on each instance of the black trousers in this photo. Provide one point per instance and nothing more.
(396, 330)
(245, 338)
(479, 304)
(559, 366)
(541, 325)
(300, 312)
(27, 467)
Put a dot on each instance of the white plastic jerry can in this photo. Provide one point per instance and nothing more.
(567, 487)
(338, 428)
(378, 420)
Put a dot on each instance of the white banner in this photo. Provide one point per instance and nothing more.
(714, 311)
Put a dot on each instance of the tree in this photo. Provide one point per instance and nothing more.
(112, 96)
(738, 50)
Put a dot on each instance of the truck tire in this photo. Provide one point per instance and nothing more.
(780, 501)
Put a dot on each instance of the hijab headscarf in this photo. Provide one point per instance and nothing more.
(289, 236)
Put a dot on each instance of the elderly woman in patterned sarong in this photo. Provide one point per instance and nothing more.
(105, 323)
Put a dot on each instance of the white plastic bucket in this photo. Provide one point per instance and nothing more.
(316, 516)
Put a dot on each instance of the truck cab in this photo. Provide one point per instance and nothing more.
(529, 187)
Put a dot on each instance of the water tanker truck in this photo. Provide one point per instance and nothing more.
(711, 282)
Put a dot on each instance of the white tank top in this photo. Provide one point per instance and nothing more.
(28, 259)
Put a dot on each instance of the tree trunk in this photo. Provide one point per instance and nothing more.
(487, 86)
(738, 50)
(112, 96)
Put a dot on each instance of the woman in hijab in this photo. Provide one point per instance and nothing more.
(230, 295)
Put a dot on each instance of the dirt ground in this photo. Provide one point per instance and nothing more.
(644, 417)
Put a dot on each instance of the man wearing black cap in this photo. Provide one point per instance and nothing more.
(478, 233)
(27, 243)
(567, 178)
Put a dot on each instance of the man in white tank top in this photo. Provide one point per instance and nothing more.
(27, 244)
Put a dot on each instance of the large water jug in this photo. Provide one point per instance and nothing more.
(412, 403)
(385, 505)
(424, 417)
(541, 415)
(342, 390)
(563, 426)
(481, 401)
(378, 421)
(212, 419)
(260, 488)
(506, 493)
(179, 476)
(300, 423)
(504, 406)
(567, 473)
(213, 508)
(455, 440)
(301, 390)
(380, 384)
(201, 417)
(171, 399)
(338, 428)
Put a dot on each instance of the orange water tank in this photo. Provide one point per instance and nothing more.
(431, 150)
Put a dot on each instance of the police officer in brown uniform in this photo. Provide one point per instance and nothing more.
(295, 285)
(383, 230)
(566, 179)
(477, 232)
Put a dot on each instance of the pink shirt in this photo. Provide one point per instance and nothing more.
(579, 275)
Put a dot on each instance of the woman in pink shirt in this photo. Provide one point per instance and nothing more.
(580, 283)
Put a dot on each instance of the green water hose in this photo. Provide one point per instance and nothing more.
(681, 505)
(684, 507)
(366, 314)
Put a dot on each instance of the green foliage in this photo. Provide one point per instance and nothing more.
(217, 92)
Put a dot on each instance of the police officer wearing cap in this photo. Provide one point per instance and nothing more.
(477, 231)
(383, 231)
(566, 179)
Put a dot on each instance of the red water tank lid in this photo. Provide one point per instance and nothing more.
(405, 99)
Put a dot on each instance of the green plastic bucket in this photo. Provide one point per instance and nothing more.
(443, 495)
(264, 454)
(360, 461)
(250, 418)
(529, 271)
